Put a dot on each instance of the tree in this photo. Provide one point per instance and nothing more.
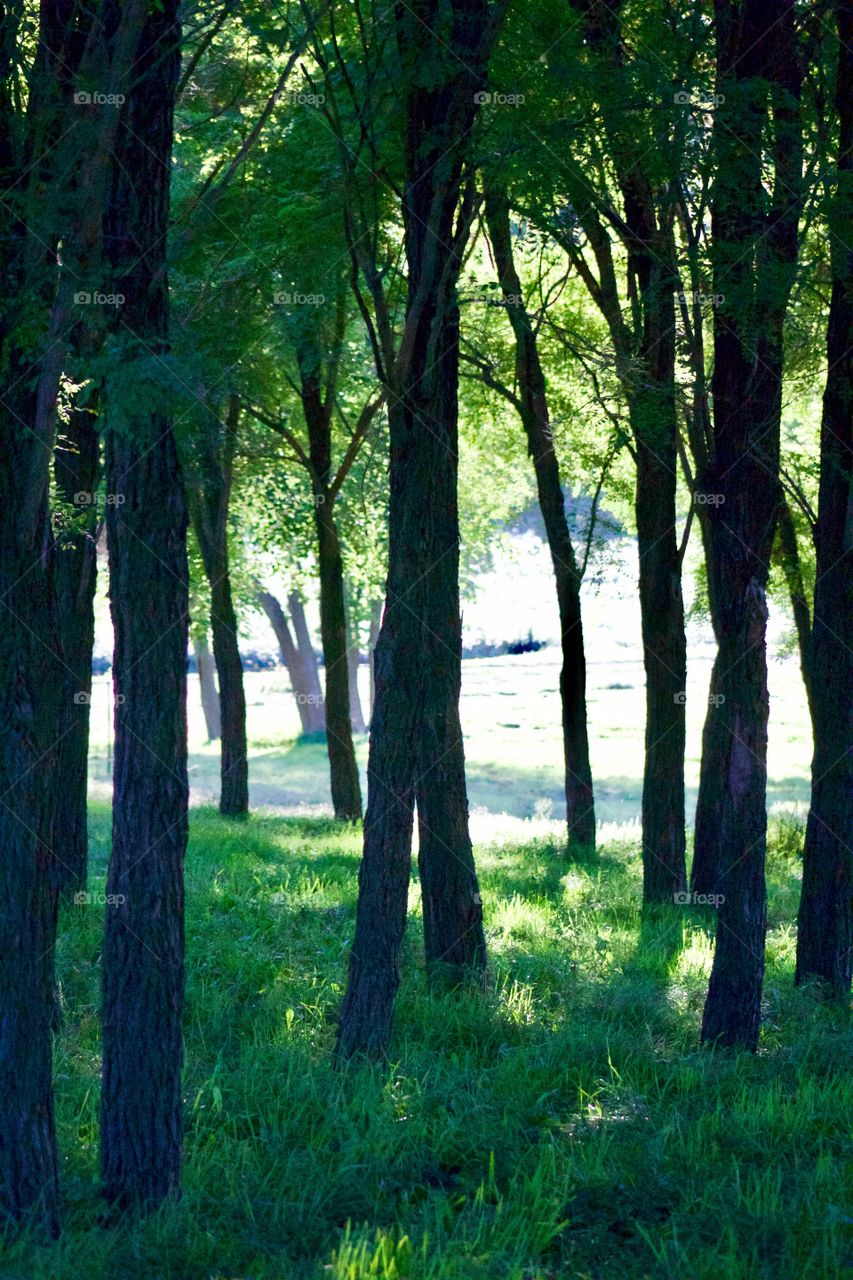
(532, 404)
(754, 252)
(825, 922)
(416, 751)
(143, 957)
(298, 657)
(54, 169)
(208, 464)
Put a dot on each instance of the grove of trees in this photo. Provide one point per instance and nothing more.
(269, 272)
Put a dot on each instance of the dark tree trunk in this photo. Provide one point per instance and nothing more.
(416, 752)
(825, 925)
(708, 858)
(207, 685)
(304, 679)
(343, 767)
(580, 808)
(234, 794)
(754, 255)
(645, 359)
(143, 957)
(664, 640)
(789, 557)
(76, 471)
(32, 688)
(32, 707)
(209, 469)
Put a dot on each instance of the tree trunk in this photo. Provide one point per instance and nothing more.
(416, 751)
(708, 852)
(580, 807)
(825, 925)
(32, 708)
(234, 792)
(753, 255)
(76, 470)
(309, 699)
(307, 656)
(208, 465)
(664, 647)
(143, 957)
(343, 768)
(789, 558)
(207, 685)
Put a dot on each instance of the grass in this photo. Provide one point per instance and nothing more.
(563, 1123)
(511, 716)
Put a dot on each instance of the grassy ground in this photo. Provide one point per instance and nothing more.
(561, 1123)
(511, 719)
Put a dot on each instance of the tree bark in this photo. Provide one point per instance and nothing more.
(209, 468)
(207, 685)
(825, 924)
(304, 679)
(76, 472)
(32, 712)
(307, 653)
(143, 957)
(645, 360)
(343, 767)
(580, 806)
(416, 752)
(754, 256)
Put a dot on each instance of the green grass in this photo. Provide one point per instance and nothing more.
(561, 1123)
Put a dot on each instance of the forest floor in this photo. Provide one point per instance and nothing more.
(561, 1123)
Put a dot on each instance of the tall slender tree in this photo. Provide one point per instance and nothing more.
(754, 254)
(534, 412)
(416, 751)
(143, 957)
(209, 470)
(825, 925)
